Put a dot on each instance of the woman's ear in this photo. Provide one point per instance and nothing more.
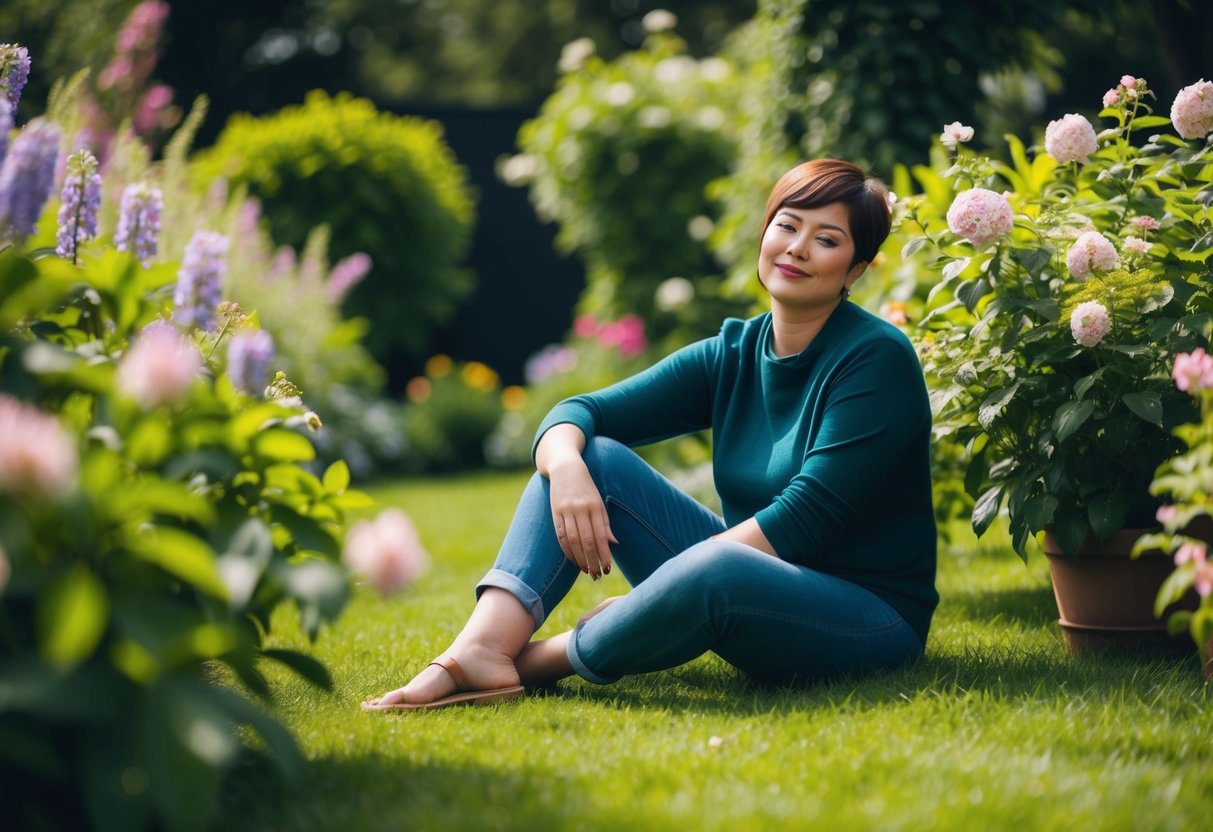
(856, 272)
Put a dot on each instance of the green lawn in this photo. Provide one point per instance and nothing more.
(997, 728)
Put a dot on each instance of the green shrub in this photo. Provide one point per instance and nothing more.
(620, 156)
(451, 411)
(385, 185)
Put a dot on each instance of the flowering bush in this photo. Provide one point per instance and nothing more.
(1068, 280)
(1186, 480)
(154, 508)
(450, 412)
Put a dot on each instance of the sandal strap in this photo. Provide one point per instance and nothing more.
(456, 672)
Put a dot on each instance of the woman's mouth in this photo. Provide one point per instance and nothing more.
(790, 271)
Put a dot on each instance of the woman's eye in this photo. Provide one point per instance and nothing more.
(827, 241)
(785, 226)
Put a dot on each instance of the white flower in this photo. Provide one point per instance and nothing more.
(674, 293)
(955, 133)
(574, 54)
(1192, 110)
(1089, 323)
(659, 20)
(620, 93)
(1070, 138)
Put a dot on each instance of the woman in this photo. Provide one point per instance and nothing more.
(824, 562)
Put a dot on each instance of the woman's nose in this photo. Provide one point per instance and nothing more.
(799, 248)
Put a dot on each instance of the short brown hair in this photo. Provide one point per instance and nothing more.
(825, 181)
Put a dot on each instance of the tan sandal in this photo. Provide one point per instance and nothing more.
(464, 694)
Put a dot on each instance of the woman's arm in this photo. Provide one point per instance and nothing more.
(578, 511)
(749, 533)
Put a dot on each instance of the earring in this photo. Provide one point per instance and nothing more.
(845, 293)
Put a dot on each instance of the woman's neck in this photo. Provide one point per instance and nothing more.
(792, 330)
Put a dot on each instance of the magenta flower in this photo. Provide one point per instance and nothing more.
(199, 281)
(36, 454)
(1090, 251)
(159, 368)
(347, 274)
(248, 360)
(139, 221)
(626, 334)
(78, 204)
(1192, 110)
(1089, 323)
(14, 72)
(386, 551)
(27, 176)
(980, 216)
(1193, 371)
(1070, 138)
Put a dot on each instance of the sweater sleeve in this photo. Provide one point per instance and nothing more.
(874, 421)
(670, 398)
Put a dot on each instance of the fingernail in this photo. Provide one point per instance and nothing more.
(585, 569)
(606, 570)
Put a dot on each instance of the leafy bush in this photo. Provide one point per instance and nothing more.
(383, 184)
(451, 410)
(620, 156)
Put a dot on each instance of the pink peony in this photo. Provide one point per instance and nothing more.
(386, 551)
(1193, 371)
(159, 368)
(1136, 245)
(1091, 250)
(1128, 82)
(1192, 110)
(36, 453)
(980, 216)
(1111, 97)
(1089, 323)
(1145, 222)
(1070, 138)
(955, 133)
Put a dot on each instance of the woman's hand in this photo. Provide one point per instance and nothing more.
(578, 512)
(580, 517)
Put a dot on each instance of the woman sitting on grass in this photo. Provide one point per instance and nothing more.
(824, 561)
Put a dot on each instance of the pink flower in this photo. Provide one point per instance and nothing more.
(159, 368)
(1091, 250)
(36, 453)
(386, 551)
(1089, 323)
(1167, 515)
(955, 133)
(1203, 579)
(1136, 245)
(5, 569)
(980, 216)
(585, 326)
(1193, 371)
(1128, 82)
(1111, 97)
(1192, 110)
(1191, 551)
(627, 334)
(347, 274)
(1070, 138)
(1145, 222)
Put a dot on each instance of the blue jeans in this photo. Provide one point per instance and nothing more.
(774, 620)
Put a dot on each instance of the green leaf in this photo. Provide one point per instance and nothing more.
(282, 445)
(1146, 405)
(955, 267)
(1038, 511)
(1142, 122)
(1070, 417)
(1071, 529)
(306, 666)
(72, 616)
(337, 477)
(1202, 624)
(912, 247)
(1178, 621)
(248, 553)
(1107, 513)
(307, 532)
(986, 509)
(994, 403)
(181, 554)
(972, 291)
(1173, 588)
(1084, 384)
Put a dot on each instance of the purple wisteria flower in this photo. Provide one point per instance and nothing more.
(78, 204)
(199, 288)
(27, 176)
(248, 360)
(139, 221)
(346, 275)
(14, 72)
(6, 127)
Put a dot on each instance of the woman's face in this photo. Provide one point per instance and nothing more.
(806, 254)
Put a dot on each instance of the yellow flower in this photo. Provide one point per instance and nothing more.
(479, 376)
(513, 397)
(438, 366)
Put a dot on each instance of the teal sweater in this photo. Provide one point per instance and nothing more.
(829, 449)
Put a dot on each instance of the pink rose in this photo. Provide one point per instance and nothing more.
(1136, 245)
(1091, 250)
(1128, 82)
(1111, 97)
(1070, 138)
(1192, 110)
(980, 216)
(1193, 371)
(386, 551)
(36, 453)
(159, 368)
(1089, 323)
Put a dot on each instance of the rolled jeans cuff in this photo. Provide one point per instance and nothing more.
(514, 585)
(579, 666)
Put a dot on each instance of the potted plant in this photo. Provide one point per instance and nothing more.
(1068, 280)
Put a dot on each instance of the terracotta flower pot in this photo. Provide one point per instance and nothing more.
(1106, 598)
